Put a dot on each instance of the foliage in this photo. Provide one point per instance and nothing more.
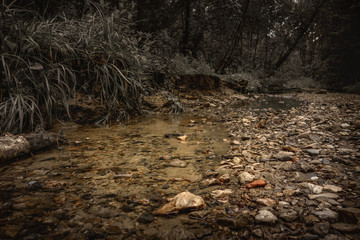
(45, 63)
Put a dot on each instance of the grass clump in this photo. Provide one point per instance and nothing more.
(46, 64)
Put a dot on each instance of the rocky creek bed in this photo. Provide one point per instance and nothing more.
(239, 167)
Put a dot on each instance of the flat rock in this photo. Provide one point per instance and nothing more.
(288, 215)
(266, 202)
(265, 216)
(346, 227)
(284, 156)
(332, 188)
(313, 152)
(349, 215)
(326, 214)
(323, 195)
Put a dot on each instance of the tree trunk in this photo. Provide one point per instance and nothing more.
(303, 29)
(237, 35)
(185, 40)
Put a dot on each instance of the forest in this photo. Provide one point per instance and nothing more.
(54, 52)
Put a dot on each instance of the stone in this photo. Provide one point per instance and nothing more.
(221, 193)
(182, 201)
(178, 163)
(246, 177)
(234, 223)
(34, 186)
(309, 236)
(288, 215)
(177, 234)
(266, 202)
(321, 228)
(257, 232)
(349, 215)
(332, 188)
(265, 216)
(326, 214)
(346, 227)
(310, 219)
(284, 156)
(323, 195)
(313, 188)
(145, 218)
(313, 152)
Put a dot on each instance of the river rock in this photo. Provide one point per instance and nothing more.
(326, 214)
(145, 218)
(323, 195)
(321, 228)
(288, 215)
(346, 227)
(266, 202)
(313, 152)
(332, 188)
(284, 156)
(178, 163)
(182, 201)
(265, 216)
(316, 189)
(246, 177)
(349, 215)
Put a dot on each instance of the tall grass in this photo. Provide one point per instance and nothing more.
(45, 64)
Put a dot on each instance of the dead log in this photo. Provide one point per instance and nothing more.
(13, 147)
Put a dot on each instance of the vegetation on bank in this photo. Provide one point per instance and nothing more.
(55, 53)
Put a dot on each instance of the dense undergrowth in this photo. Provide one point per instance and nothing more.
(46, 64)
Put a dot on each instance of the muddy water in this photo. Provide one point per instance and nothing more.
(106, 177)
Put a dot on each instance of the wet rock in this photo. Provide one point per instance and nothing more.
(349, 215)
(34, 186)
(145, 218)
(182, 201)
(346, 227)
(199, 214)
(288, 215)
(234, 223)
(265, 216)
(155, 101)
(177, 234)
(178, 163)
(326, 214)
(256, 183)
(321, 228)
(221, 194)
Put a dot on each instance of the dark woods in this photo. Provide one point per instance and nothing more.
(53, 53)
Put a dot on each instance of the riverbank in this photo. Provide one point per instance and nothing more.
(108, 183)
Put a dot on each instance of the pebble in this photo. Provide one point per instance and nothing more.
(145, 218)
(321, 228)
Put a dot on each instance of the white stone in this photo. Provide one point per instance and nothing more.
(265, 216)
